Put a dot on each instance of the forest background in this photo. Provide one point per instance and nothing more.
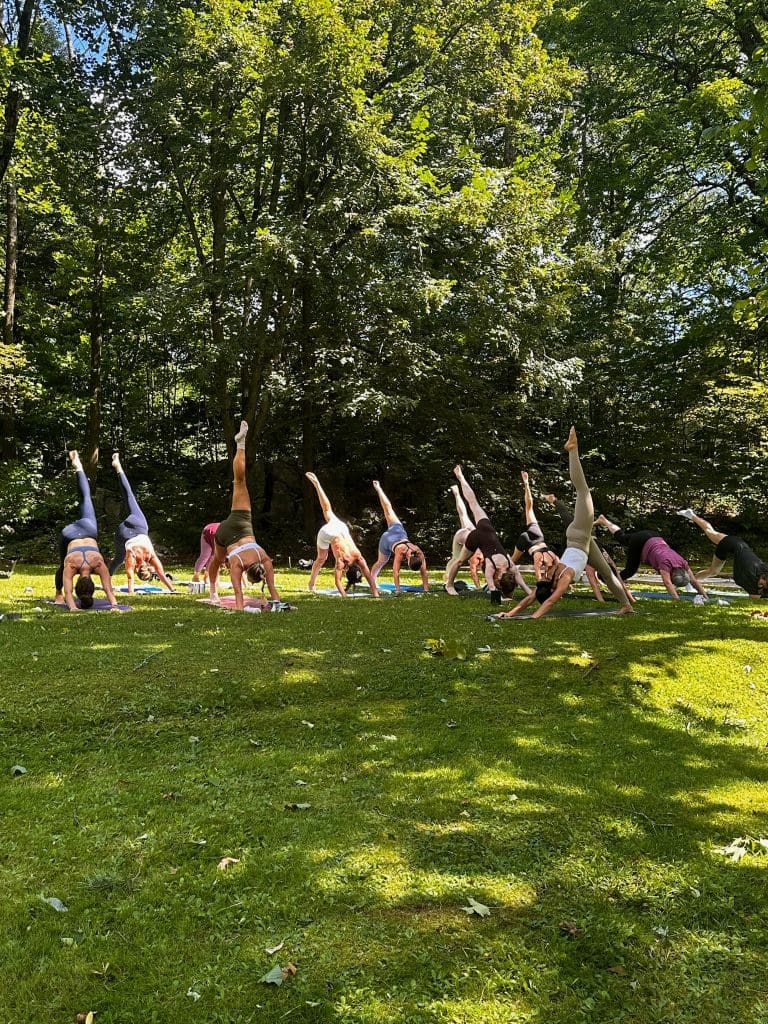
(393, 236)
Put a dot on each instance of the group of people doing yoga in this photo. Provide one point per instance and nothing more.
(232, 543)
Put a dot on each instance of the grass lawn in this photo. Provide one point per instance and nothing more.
(576, 779)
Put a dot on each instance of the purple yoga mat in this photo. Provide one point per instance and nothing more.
(100, 604)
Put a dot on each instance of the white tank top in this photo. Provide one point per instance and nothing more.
(575, 559)
(141, 540)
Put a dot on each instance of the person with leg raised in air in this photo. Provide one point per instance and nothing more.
(235, 541)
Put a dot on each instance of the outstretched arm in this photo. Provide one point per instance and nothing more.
(520, 581)
(157, 565)
(106, 582)
(69, 597)
(474, 567)
(269, 574)
(520, 607)
(368, 576)
(397, 561)
(236, 576)
(562, 586)
(671, 589)
(424, 574)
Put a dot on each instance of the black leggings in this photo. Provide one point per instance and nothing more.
(634, 542)
(133, 524)
(85, 526)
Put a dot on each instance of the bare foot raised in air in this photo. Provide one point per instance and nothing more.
(74, 458)
(311, 477)
(116, 462)
(457, 472)
(524, 477)
(573, 442)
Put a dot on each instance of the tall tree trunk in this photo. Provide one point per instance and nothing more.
(8, 446)
(13, 97)
(93, 428)
(307, 405)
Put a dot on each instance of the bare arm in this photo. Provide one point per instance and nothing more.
(269, 573)
(129, 564)
(236, 575)
(474, 564)
(521, 582)
(562, 586)
(424, 574)
(106, 582)
(525, 603)
(368, 576)
(157, 565)
(671, 589)
(338, 570)
(696, 585)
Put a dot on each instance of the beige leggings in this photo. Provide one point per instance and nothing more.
(579, 533)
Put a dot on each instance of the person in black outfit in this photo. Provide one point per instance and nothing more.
(750, 572)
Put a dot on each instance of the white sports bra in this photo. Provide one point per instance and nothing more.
(575, 559)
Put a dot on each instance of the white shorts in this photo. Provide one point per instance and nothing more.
(332, 530)
(575, 559)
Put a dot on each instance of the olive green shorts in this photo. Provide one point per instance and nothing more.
(237, 525)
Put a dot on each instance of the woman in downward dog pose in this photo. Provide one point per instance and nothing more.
(501, 573)
(235, 540)
(649, 547)
(132, 543)
(750, 572)
(394, 544)
(467, 526)
(79, 553)
(335, 536)
(564, 513)
(568, 569)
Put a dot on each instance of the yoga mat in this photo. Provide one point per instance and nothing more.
(100, 604)
(250, 604)
(662, 595)
(333, 592)
(581, 613)
(142, 588)
(389, 588)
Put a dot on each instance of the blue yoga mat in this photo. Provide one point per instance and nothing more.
(581, 613)
(662, 595)
(142, 588)
(389, 588)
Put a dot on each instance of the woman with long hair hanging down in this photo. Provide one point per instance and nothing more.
(79, 553)
(501, 573)
(335, 536)
(132, 543)
(561, 572)
(235, 540)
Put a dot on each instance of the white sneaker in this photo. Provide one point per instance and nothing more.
(686, 513)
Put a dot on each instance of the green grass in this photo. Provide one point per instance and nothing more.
(593, 767)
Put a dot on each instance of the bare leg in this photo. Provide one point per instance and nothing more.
(469, 495)
(461, 509)
(386, 505)
(597, 561)
(241, 499)
(707, 528)
(319, 562)
(322, 497)
(453, 567)
(530, 514)
(611, 527)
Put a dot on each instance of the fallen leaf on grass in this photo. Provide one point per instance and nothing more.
(226, 861)
(570, 929)
(618, 969)
(85, 1018)
(309, 725)
(274, 949)
(273, 977)
(18, 769)
(194, 996)
(741, 846)
(55, 902)
(297, 807)
(476, 908)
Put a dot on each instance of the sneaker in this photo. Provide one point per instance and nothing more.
(686, 513)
